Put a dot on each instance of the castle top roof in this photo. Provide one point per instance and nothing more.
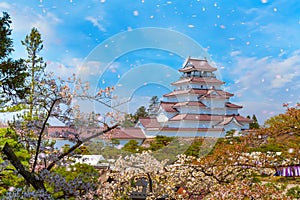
(194, 64)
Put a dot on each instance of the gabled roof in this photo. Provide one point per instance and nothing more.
(128, 133)
(212, 93)
(204, 80)
(242, 119)
(194, 64)
(148, 122)
(189, 103)
(168, 106)
(231, 105)
(228, 120)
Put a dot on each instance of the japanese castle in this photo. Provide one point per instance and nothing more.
(197, 107)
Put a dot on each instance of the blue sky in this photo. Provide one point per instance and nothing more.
(254, 44)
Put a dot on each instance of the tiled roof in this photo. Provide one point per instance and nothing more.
(205, 80)
(189, 103)
(227, 121)
(197, 117)
(190, 129)
(128, 133)
(242, 119)
(148, 122)
(57, 131)
(189, 91)
(204, 93)
(193, 64)
(118, 133)
(231, 105)
(206, 117)
(168, 106)
(212, 93)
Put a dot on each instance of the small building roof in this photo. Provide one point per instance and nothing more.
(148, 122)
(195, 64)
(128, 133)
(59, 129)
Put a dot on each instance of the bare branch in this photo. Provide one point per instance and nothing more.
(41, 134)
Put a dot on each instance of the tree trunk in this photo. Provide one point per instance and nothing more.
(31, 178)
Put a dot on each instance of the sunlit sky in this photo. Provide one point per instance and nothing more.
(254, 43)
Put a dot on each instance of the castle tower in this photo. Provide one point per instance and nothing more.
(197, 107)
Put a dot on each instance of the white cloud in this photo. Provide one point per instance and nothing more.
(265, 83)
(59, 69)
(262, 110)
(275, 72)
(96, 22)
(5, 5)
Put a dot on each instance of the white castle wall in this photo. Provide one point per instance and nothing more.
(153, 133)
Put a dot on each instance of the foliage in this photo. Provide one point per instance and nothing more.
(83, 173)
(294, 192)
(132, 146)
(35, 64)
(128, 121)
(280, 134)
(9, 179)
(140, 112)
(195, 148)
(287, 123)
(160, 142)
(13, 73)
(153, 105)
(254, 124)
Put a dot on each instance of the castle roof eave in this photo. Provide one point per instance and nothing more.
(198, 80)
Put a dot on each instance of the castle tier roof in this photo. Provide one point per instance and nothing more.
(203, 93)
(189, 103)
(197, 117)
(204, 80)
(242, 119)
(193, 64)
(205, 117)
(168, 106)
(148, 122)
(231, 105)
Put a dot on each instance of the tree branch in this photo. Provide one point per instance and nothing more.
(15, 161)
(78, 144)
(41, 134)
